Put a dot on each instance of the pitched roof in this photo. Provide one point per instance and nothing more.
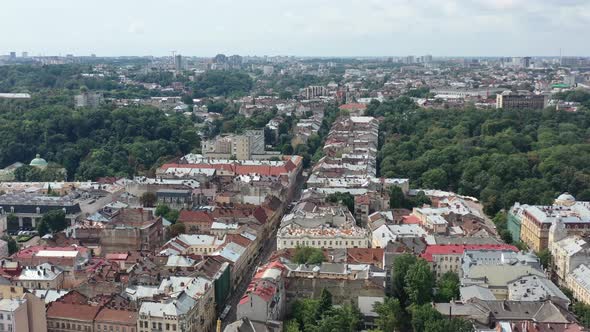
(72, 311)
(458, 249)
(117, 316)
(194, 216)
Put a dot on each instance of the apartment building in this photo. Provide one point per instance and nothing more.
(533, 222)
(513, 101)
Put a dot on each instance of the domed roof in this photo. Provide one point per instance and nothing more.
(565, 199)
(38, 162)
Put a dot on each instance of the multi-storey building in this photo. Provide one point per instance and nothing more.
(241, 147)
(321, 226)
(314, 91)
(200, 244)
(511, 101)
(73, 258)
(29, 208)
(188, 305)
(265, 297)
(444, 258)
(132, 230)
(534, 221)
(578, 281)
(43, 276)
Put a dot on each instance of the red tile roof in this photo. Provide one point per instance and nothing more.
(32, 251)
(117, 316)
(237, 168)
(238, 239)
(73, 311)
(353, 106)
(458, 249)
(365, 256)
(194, 216)
(117, 256)
(410, 220)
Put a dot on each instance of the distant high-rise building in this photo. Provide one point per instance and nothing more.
(314, 91)
(25, 54)
(427, 58)
(178, 62)
(572, 61)
(410, 59)
(520, 62)
(12, 55)
(220, 58)
(88, 99)
(235, 60)
(93, 55)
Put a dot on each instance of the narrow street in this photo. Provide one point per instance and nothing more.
(269, 246)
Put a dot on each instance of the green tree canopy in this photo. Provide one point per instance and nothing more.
(401, 266)
(308, 255)
(448, 287)
(54, 220)
(419, 282)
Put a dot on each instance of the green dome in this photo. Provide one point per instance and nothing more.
(38, 162)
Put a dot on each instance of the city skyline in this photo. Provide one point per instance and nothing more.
(345, 28)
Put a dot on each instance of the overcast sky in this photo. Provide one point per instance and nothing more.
(296, 27)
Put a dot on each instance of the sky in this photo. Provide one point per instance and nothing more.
(296, 27)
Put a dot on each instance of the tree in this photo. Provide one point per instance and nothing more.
(397, 199)
(345, 199)
(390, 314)
(582, 311)
(444, 325)
(162, 210)
(11, 219)
(400, 268)
(12, 245)
(435, 178)
(292, 326)
(325, 302)
(172, 216)
(422, 314)
(419, 282)
(54, 220)
(148, 199)
(43, 228)
(346, 318)
(177, 229)
(305, 312)
(308, 255)
(544, 257)
(448, 287)
(419, 200)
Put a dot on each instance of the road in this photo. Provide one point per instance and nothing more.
(269, 246)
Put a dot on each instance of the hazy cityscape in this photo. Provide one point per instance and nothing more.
(444, 187)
